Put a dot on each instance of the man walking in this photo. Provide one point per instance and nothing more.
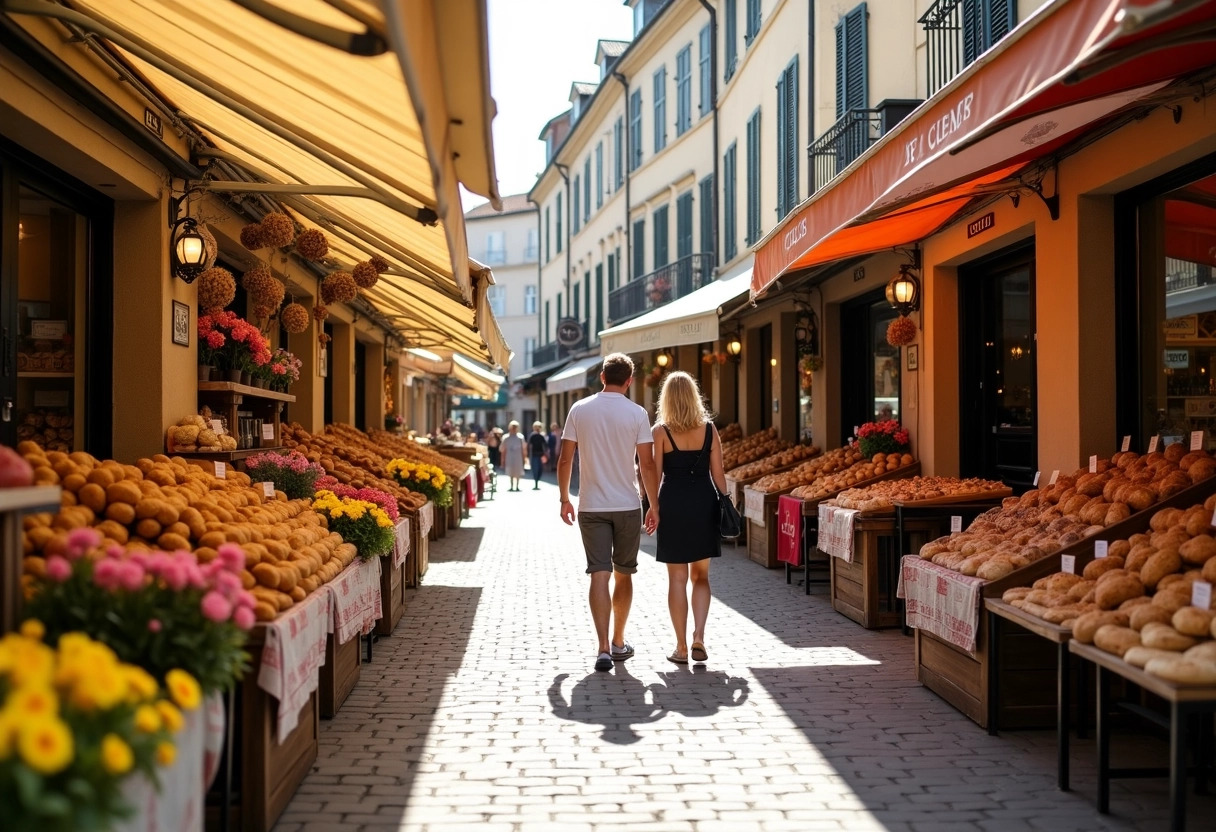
(607, 431)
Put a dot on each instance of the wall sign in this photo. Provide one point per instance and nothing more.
(1177, 359)
(1176, 329)
(569, 332)
(981, 225)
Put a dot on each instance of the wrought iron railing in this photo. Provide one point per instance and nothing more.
(944, 53)
(843, 142)
(675, 280)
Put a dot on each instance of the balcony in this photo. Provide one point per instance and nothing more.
(850, 137)
(650, 291)
(554, 351)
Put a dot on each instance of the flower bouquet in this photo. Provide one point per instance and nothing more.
(425, 479)
(76, 722)
(156, 610)
(363, 523)
(368, 495)
(232, 342)
(292, 473)
(284, 370)
(886, 437)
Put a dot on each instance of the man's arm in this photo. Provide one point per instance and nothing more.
(565, 467)
(650, 481)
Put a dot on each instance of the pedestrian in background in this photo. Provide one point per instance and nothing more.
(555, 436)
(513, 454)
(538, 453)
(688, 452)
(606, 431)
(493, 440)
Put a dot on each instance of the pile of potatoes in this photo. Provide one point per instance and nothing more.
(883, 495)
(171, 504)
(771, 463)
(860, 471)
(351, 465)
(400, 447)
(1136, 601)
(751, 448)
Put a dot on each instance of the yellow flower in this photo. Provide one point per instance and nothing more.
(45, 745)
(32, 628)
(170, 715)
(26, 662)
(184, 689)
(33, 702)
(100, 687)
(9, 723)
(116, 756)
(165, 754)
(141, 686)
(147, 719)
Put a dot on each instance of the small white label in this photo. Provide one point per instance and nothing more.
(1100, 548)
(268, 490)
(1213, 523)
(268, 430)
(956, 523)
(1201, 595)
(854, 430)
(1037, 474)
(1196, 440)
(1127, 444)
(1152, 444)
(217, 426)
(221, 470)
(1055, 475)
(1093, 464)
(1068, 564)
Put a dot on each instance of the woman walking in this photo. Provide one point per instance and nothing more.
(689, 453)
(538, 453)
(493, 440)
(512, 451)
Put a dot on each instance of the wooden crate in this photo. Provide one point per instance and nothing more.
(864, 589)
(339, 673)
(439, 528)
(762, 543)
(455, 511)
(418, 560)
(392, 595)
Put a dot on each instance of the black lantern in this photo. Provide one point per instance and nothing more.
(806, 333)
(189, 250)
(734, 348)
(903, 292)
(662, 359)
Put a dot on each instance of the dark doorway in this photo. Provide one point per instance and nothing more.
(870, 367)
(998, 401)
(360, 385)
(329, 376)
(766, 376)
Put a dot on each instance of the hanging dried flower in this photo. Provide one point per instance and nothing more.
(323, 338)
(338, 287)
(901, 331)
(261, 312)
(265, 290)
(216, 289)
(379, 264)
(278, 230)
(252, 237)
(312, 245)
(320, 312)
(209, 245)
(365, 274)
(294, 318)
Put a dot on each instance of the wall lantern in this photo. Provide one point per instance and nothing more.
(189, 250)
(734, 348)
(903, 292)
(806, 331)
(662, 359)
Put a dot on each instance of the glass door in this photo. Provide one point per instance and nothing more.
(870, 384)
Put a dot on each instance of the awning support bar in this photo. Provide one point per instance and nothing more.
(424, 215)
(366, 44)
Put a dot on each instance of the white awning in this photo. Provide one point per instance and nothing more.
(692, 319)
(573, 377)
(478, 379)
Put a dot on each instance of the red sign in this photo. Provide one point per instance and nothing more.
(789, 530)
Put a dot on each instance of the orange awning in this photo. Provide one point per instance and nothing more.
(1070, 66)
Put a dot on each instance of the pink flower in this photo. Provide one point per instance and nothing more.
(216, 607)
(195, 576)
(231, 556)
(131, 575)
(245, 599)
(58, 569)
(81, 541)
(154, 625)
(106, 574)
(227, 583)
(244, 618)
(215, 340)
(115, 552)
(175, 575)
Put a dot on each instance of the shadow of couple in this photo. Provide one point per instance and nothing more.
(619, 700)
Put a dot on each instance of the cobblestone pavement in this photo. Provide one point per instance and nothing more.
(482, 711)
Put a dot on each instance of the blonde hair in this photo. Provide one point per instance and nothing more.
(680, 407)
(538, 426)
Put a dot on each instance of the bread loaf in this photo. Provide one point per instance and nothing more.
(1115, 639)
(1165, 637)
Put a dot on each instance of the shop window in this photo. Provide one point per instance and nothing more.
(870, 371)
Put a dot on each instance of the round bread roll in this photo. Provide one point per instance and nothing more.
(1100, 566)
(1148, 614)
(1198, 550)
(1087, 625)
(1183, 671)
(1175, 452)
(1192, 621)
(1165, 637)
(1140, 655)
(1115, 639)
(1111, 593)
(1165, 562)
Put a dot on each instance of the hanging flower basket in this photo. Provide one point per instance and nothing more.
(901, 332)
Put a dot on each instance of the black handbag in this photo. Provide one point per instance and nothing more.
(730, 524)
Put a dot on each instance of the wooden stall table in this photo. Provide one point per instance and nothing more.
(1185, 702)
(421, 542)
(356, 604)
(393, 580)
(14, 504)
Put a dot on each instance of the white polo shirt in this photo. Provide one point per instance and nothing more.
(608, 428)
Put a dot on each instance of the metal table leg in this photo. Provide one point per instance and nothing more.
(993, 681)
(1178, 721)
(1082, 704)
(1064, 718)
(1103, 743)
(229, 731)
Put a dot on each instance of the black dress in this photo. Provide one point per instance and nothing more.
(688, 505)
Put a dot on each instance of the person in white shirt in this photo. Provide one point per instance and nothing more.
(608, 432)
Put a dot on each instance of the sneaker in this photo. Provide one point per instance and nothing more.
(604, 662)
(619, 654)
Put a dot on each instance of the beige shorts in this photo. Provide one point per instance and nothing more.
(611, 540)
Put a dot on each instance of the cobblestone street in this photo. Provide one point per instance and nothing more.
(482, 711)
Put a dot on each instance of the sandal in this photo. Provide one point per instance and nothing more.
(677, 658)
(604, 662)
(698, 652)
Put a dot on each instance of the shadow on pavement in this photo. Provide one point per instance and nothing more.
(463, 550)
(695, 690)
(615, 700)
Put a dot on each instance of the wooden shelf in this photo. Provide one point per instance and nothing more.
(33, 498)
(227, 456)
(244, 390)
(43, 374)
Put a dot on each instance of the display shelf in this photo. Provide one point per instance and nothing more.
(43, 374)
(15, 502)
(227, 456)
(244, 390)
(227, 398)
(35, 498)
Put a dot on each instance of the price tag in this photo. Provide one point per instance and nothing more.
(1196, 440)
(217, 426)
(1055, 475)
(854, 430)
(221, 470)
(956, 523)
(268, 431)
(1100, 548)
(1152, 444)
(268, 490)
(1127, 444)
(1093, 464)
(1036, 478)
(1201, 595)
(1068, 564)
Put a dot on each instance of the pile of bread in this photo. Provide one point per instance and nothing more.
(771, 463)
(51, 429)
(1044, 520)
(171, 504)
(195, 433)
(862, 470)
(351, 464)
(882, 496)
(730, 433)
(401, 447)
(1137, 601)
(751, 448)
(835, 460)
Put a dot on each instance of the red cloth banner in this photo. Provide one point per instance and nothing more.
(789, 530)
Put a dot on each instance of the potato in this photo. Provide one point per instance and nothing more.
(1192, 621)
(1183, 671)
(1165, 562)
(1165, 637)
(1115, 639)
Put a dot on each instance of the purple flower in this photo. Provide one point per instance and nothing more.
(231, 556)
(131, 575)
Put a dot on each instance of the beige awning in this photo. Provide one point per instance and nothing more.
(371, 148)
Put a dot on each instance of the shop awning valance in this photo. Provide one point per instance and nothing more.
(1070, 65)
(692, 319)
(478, 379)
(573, 377)
(372, 148)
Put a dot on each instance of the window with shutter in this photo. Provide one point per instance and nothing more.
(575, 305)
(660, 237)
(618, 152)
(984, 23)
(706, 66)
(611, 272)
(587, 296)
(730, 211)
(730, 38)
(599, 299)
(753, 21)
(587, 188)
(639, 248)
(547, 229)
(635, 129)
(707, 216)
(575, 213)
(684, 225)
(559, 223)
(787, 139)
(851, 62)
(660, 109)
(599, 175)
(547, 329)
(753, 178)
(683, 90)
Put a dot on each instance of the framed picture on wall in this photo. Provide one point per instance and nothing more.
(913, 360)
(181, 323)
(323, 362)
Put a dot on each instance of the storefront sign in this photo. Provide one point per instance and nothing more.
(1177, 359)
(153, 123)
(569, 332)
(981, 225)
(859, 274)
(1101, 547)
(1202, 407)
(1177, 329)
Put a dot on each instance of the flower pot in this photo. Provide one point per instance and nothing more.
(234, 376)
(247, 379)
(259, 382)
(204, 372)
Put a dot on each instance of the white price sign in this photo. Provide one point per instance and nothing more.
(1100, 548)
(268, 490)
(1196, 440)
(956, 523)
(1201, 595)
(268, 431)
(1036, 478)
(1152, 444)
(1068, 564)
(1093, 464)
(221, 470)
(1127, 444)
(1055, 475)
(217, 426)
